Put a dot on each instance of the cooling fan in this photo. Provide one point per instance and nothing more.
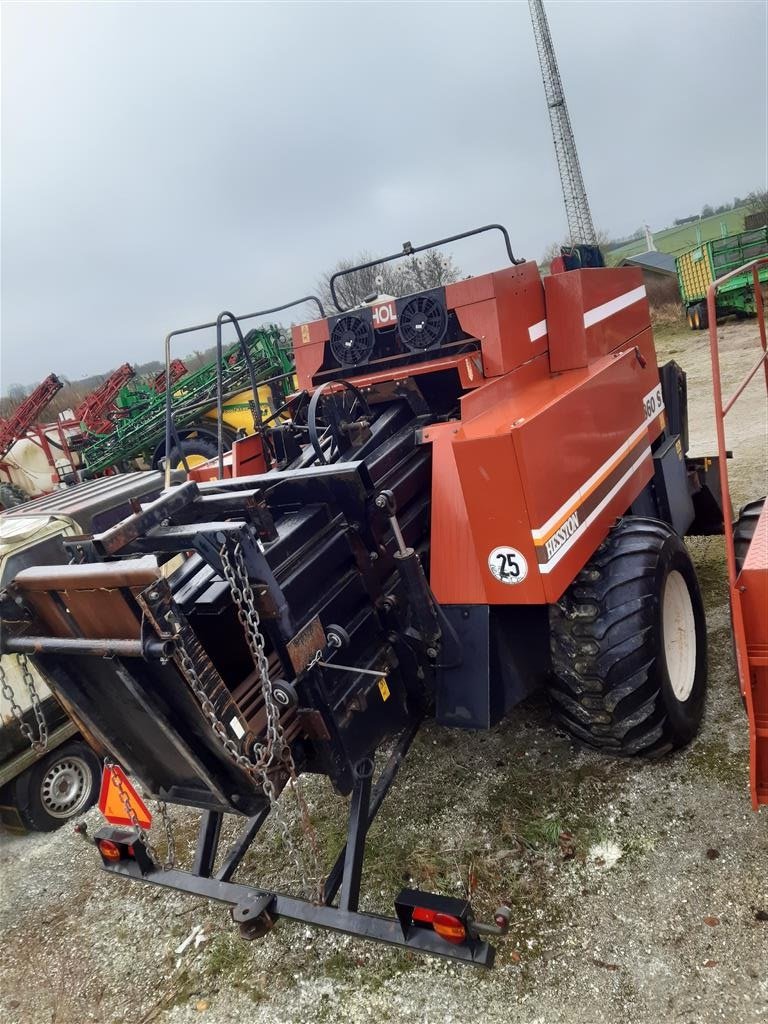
(422, 322)
(351, 341)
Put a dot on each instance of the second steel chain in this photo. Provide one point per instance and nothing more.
(258, 766)
(236, 574)
(40, 743)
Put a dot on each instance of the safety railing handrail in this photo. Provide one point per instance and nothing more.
(217, 323)
(754, 266)
(721, 411)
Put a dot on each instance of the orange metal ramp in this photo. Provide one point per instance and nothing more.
(752, 591)
(748, 589)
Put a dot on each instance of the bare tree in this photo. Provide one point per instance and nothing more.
(419, 273)
(430, 269)
(757, 201)
(351, 289)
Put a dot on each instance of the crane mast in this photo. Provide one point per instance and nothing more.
(580, 226)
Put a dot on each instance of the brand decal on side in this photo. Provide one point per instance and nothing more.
(653, 404)
(385, 314)
(559, 537)
(507, 565)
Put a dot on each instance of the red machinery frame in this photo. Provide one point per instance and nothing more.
(17, 424)
(748, 588)
(559, 360)
(92, 412)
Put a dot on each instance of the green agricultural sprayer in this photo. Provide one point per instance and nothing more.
(139, 423)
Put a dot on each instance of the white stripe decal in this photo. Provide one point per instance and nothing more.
(594, 316)
(536, 331)
(579, 492)
(549, 566)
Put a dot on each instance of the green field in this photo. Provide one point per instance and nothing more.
(679, 239)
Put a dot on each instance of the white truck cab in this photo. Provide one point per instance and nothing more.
(40, 789)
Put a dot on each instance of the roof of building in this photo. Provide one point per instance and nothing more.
(661, 262)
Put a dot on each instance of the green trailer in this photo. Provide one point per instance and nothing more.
(699, 267)
(139, 426)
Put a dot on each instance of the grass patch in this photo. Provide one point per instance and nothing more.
(708, 556)
(713, 759)
(228, 954)
(544, 831)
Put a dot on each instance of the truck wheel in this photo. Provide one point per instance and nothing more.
(11, 495)
(744, 529)
(703, 316)
(629, 646)
(60, 786)
(689, 317)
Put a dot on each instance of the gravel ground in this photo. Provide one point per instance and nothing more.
(639, 891)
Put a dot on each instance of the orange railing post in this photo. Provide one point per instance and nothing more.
(721, 411)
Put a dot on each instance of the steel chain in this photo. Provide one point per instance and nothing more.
(257, 766)
(154, 856)
(274, 752)
(236, 573)
(39, 744)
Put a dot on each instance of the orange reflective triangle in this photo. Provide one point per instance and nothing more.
(111, 803)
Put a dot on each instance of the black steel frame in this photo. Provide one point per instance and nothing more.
(225, 315)
(250, 905)
(411, 250)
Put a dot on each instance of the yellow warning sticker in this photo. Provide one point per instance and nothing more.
(383, 689)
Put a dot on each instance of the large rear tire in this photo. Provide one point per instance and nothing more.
(629, 644)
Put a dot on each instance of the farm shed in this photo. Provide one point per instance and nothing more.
(659, 276)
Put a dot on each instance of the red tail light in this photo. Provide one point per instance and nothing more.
(446, 926)
(109, 850)
(114, 851)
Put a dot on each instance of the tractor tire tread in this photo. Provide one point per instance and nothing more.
(601, 635)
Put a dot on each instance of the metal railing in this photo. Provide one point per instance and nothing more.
(722, 408)
(228, 317)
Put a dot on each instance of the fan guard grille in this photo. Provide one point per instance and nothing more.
(422, 322)
(351, 341)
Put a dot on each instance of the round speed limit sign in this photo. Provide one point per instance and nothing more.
(507, 565)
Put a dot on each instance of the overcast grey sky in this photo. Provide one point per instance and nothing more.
(161, 162)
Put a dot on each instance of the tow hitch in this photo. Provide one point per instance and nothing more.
(424, 921)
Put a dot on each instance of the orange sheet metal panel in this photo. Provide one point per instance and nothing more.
(308, 350)
(499, 531)
(598, 439)
(753, 594)
(592, 312)
(453, 556)
(505, 311)
(544, 469)
(469, 368)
